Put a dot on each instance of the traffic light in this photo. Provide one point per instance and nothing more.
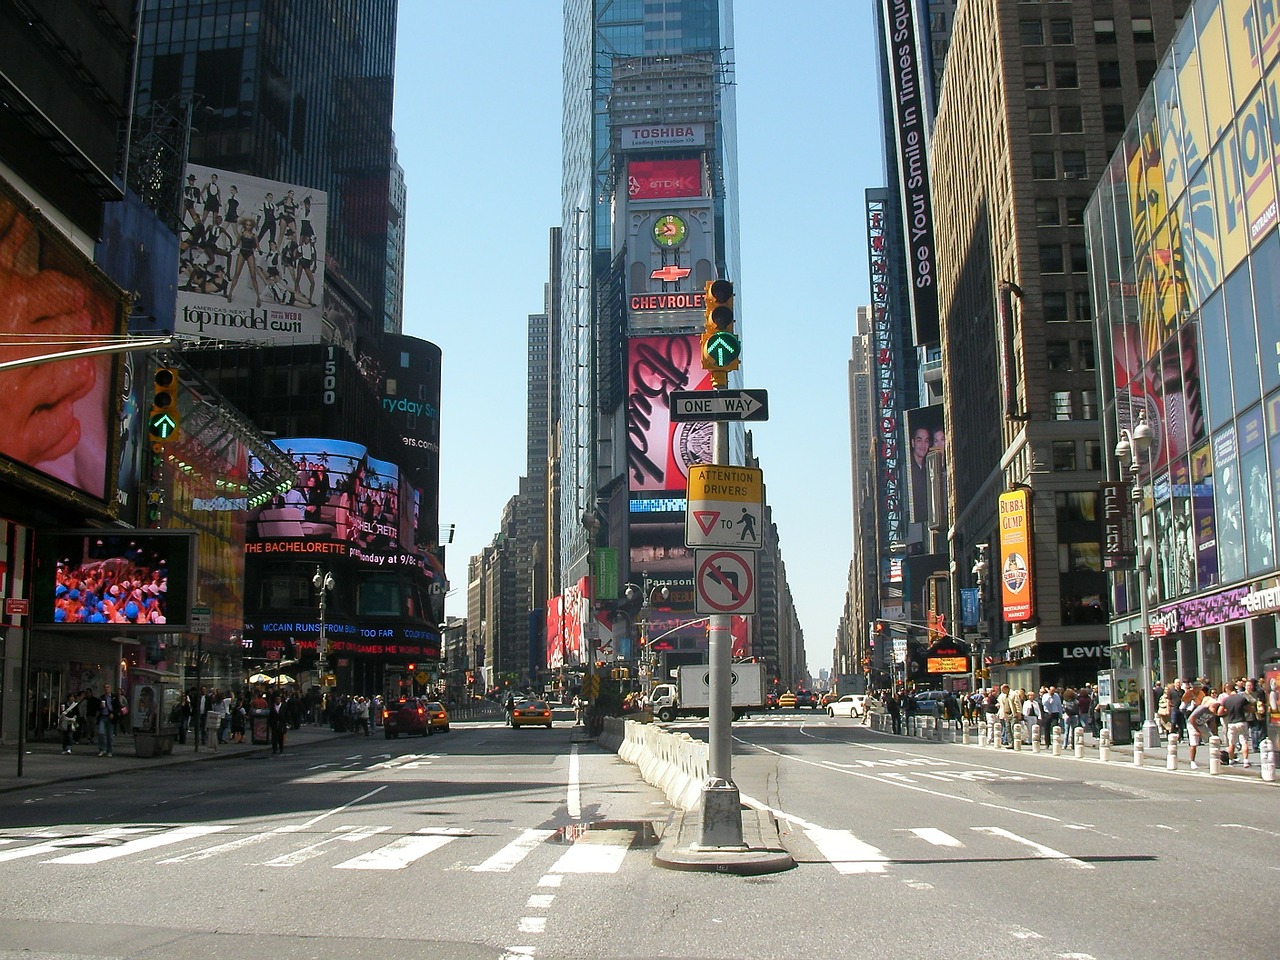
(721, 348)
(162, 424)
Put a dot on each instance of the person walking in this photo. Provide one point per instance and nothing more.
(1070, 718)
(277, 723)
(67, 721)
(1051, 706)
(1005, 714)
(1235, 709)
(1202, 719)
(108, 708)
(1032, 718)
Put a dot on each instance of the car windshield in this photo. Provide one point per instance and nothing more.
(433, 705)
(532, 705)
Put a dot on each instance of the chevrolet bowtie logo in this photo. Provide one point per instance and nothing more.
(670, 273)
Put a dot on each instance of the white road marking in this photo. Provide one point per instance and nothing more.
(551, 880)
(574, 800)
(515, 851)
(593, 857)
(227, 847)
(346, 834)
(540, 901)
(103, 854)
(937, 837)
(1048, 853)
(846, 852)
(519, 953)
(399, 853)
(112, 833)
(533, 924)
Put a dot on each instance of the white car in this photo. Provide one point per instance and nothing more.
(851, 705)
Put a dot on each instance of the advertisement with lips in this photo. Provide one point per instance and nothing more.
(1165, 390)
(659, 452)
(664, 179)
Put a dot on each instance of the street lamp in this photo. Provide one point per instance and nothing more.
(591, 523)
(322, 580)
(645, 659)
(980, 578)
(1132, 451)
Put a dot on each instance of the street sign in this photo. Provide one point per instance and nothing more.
(699, 405)
(726, 581)
(422, 676)
(201, 619)
(1158, 629)
(725, 506)
(16, 607)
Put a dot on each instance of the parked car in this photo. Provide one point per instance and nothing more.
(530, 713)
(438, 715)
(406, 716)
(852, 705)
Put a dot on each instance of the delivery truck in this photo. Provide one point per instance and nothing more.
(689, 695)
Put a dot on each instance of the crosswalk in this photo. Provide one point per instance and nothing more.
(579, 850)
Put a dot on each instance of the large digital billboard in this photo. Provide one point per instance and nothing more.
(116, 579)
(57, 413)
(659, 451)
(251, 258)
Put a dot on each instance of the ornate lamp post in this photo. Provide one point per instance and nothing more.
(322, 580)
(980, 568)
(1132, 451)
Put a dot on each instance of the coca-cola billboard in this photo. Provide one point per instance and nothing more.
(659, 452)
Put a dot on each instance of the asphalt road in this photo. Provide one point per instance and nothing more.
(492, 843)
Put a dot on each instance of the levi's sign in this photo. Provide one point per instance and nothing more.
(699, 405)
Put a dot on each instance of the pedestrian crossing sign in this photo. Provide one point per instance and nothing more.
(725, 506)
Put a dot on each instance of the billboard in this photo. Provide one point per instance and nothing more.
(58, 414)
(251, 258)
(926, 435)
(1017, 585)
(121, 580)
(908, 77)
(659, 452)
(658, 179)
(663, 136)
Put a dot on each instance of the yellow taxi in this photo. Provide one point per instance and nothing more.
(530, 713)
(437, 715)
(787, 701)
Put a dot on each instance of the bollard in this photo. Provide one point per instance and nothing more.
(957, 729)
(982, 734)
(964, 736)
(1215, 755)
(1055, 740)
(996, 734)
(1080, 744)
(1104, 746)
(1015, 731)
(1268, 751)
(1137, 751)
(1171, 758)
(1035, 738)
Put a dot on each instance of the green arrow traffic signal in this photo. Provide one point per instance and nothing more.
(161, 426)
(722, 348)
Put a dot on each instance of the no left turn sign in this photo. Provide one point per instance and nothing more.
(726, 581)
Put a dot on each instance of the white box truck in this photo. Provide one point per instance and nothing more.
(690, 694)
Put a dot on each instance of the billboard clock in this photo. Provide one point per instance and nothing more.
(669, 231)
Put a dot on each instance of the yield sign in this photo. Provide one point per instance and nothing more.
(706, 519)
(726, 581)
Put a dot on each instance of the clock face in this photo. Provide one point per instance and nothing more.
(669, 231)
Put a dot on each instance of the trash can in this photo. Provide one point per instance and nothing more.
(1118, 722)
(259, 732)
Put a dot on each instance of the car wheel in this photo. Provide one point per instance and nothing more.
(666, 714)
(831, 713)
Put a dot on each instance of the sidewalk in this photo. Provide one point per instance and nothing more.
(1123, 754)
(43, 763)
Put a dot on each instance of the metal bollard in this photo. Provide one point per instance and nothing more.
(1035, 738)
(1137, 751)
(1080, 744)
(1215, 755)
(982, 734)
(964, 735)
(1171, 758)
(1268, 751)
(1055, 740)
(1104, 746)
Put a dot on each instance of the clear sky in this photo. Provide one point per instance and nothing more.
(478, 102)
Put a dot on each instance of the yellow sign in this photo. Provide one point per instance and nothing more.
(947, 665)
(725, 506)
(422, 676)
(329, 680)
(709, 481)
(591, 686)
(1016, 584)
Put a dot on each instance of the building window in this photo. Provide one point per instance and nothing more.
(1032, 33)
(1064, 455)
(1065, 75)
(1062, 32)
(1104, 31)
(1043, 166)
(1086, 352)
(1054, 304)
(1039, 120)
(1058, 353)
(1079, 258)
(1113, 118)
(1074, 166)
(1146, 70)
(1036, 76)
(1051, 258)
(1060, 404)
(1069, 120)
(1047, 214)
(1143, 32)
(1089, 404)
(1109, 74)
(1084, 309)
(1093, 454)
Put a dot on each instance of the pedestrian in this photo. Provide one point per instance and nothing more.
(1005, 714)
(1051, 706)
(238, 714)
(1032, 718)
(1256, 712)
(909, 705)
(1070, 717)
(108, 708)
(1202, 719)
(183, 711)
(1235, 709)
(67, 720)
(277, 723)
(894, 706)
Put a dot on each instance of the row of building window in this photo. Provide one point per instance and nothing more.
(1066, 76)
(1063, 32)
(1044, 165)
(1052, 259)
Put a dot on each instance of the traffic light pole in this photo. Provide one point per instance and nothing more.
(721, 807)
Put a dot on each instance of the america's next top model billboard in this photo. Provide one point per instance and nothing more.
(251, 259)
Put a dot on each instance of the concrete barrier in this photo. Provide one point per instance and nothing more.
(675, 763)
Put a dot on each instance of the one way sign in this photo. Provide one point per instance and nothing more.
(700, 405)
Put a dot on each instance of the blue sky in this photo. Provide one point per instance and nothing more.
(477, 121)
